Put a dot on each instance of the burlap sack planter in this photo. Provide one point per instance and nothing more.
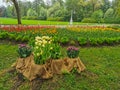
(30, 70)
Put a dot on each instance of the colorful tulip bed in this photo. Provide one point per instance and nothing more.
(69, 35)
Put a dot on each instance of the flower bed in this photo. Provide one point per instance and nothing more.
(46, 59)
(83, 36)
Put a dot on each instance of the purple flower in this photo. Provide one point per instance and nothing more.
(72, 48)
(22, 45)
(72, 51)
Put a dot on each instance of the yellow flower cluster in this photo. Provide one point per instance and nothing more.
(48, 31)
(90, 28)
(40, 43)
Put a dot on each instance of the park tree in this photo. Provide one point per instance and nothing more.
(2, 11)
(108, 16)
(9, 11)
(116, 7)
(60, 1)
(17, 9)
(42, 14)
(56, 12)
(24, 7)
(31, 14)
(76, 7)
(37, 4)
(106, 5)
(53, 9)
(95, 4)
(98, 15)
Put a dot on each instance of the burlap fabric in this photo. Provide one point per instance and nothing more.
(29, 69)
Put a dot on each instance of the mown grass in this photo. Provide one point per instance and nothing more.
(8, 55)
(102, 70)
(33, 22)
(7, 21)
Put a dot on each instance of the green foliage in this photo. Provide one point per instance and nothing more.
(109, 15)
(117, 11)
(72, 42)
(55, 18)
(24, 51)
(55, 51)
(12, 36)
(19, 38)
(88, 20)
(45, 49)
(25, 38)
(93, 41)
(31, 42)
(64, 40)
(42, 14)
(10, 11)
(81, 9)
(98, 15)
(53, 9)
(31, 14)
(82, 41)
(3, 35)
(30, 17)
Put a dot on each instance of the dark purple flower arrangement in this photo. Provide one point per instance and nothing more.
(24, 50)
(72, 52)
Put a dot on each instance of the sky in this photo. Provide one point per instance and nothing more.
(2, 3)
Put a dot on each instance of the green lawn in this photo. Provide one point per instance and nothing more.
(36, 22)
(102, 70)
(8, 55)
(41, 22)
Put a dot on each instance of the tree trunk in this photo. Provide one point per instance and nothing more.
(17, 11)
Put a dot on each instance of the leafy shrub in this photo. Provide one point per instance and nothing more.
(24, 51)
(3, 35)
(64, 40)
(12, 36)
(56, 39)
(108, 16)
(25, 38)
(111, 41)
(72, 52)
(82, 41)
(98, 15)
(55, 52)
(19, 38)
(24, 17)
(72, 42)
(88, 20)
(32, 18)
(93, 41)
(31, 42)
(55, 19)
(100, 40)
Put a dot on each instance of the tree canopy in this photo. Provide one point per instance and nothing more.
(60, 10)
